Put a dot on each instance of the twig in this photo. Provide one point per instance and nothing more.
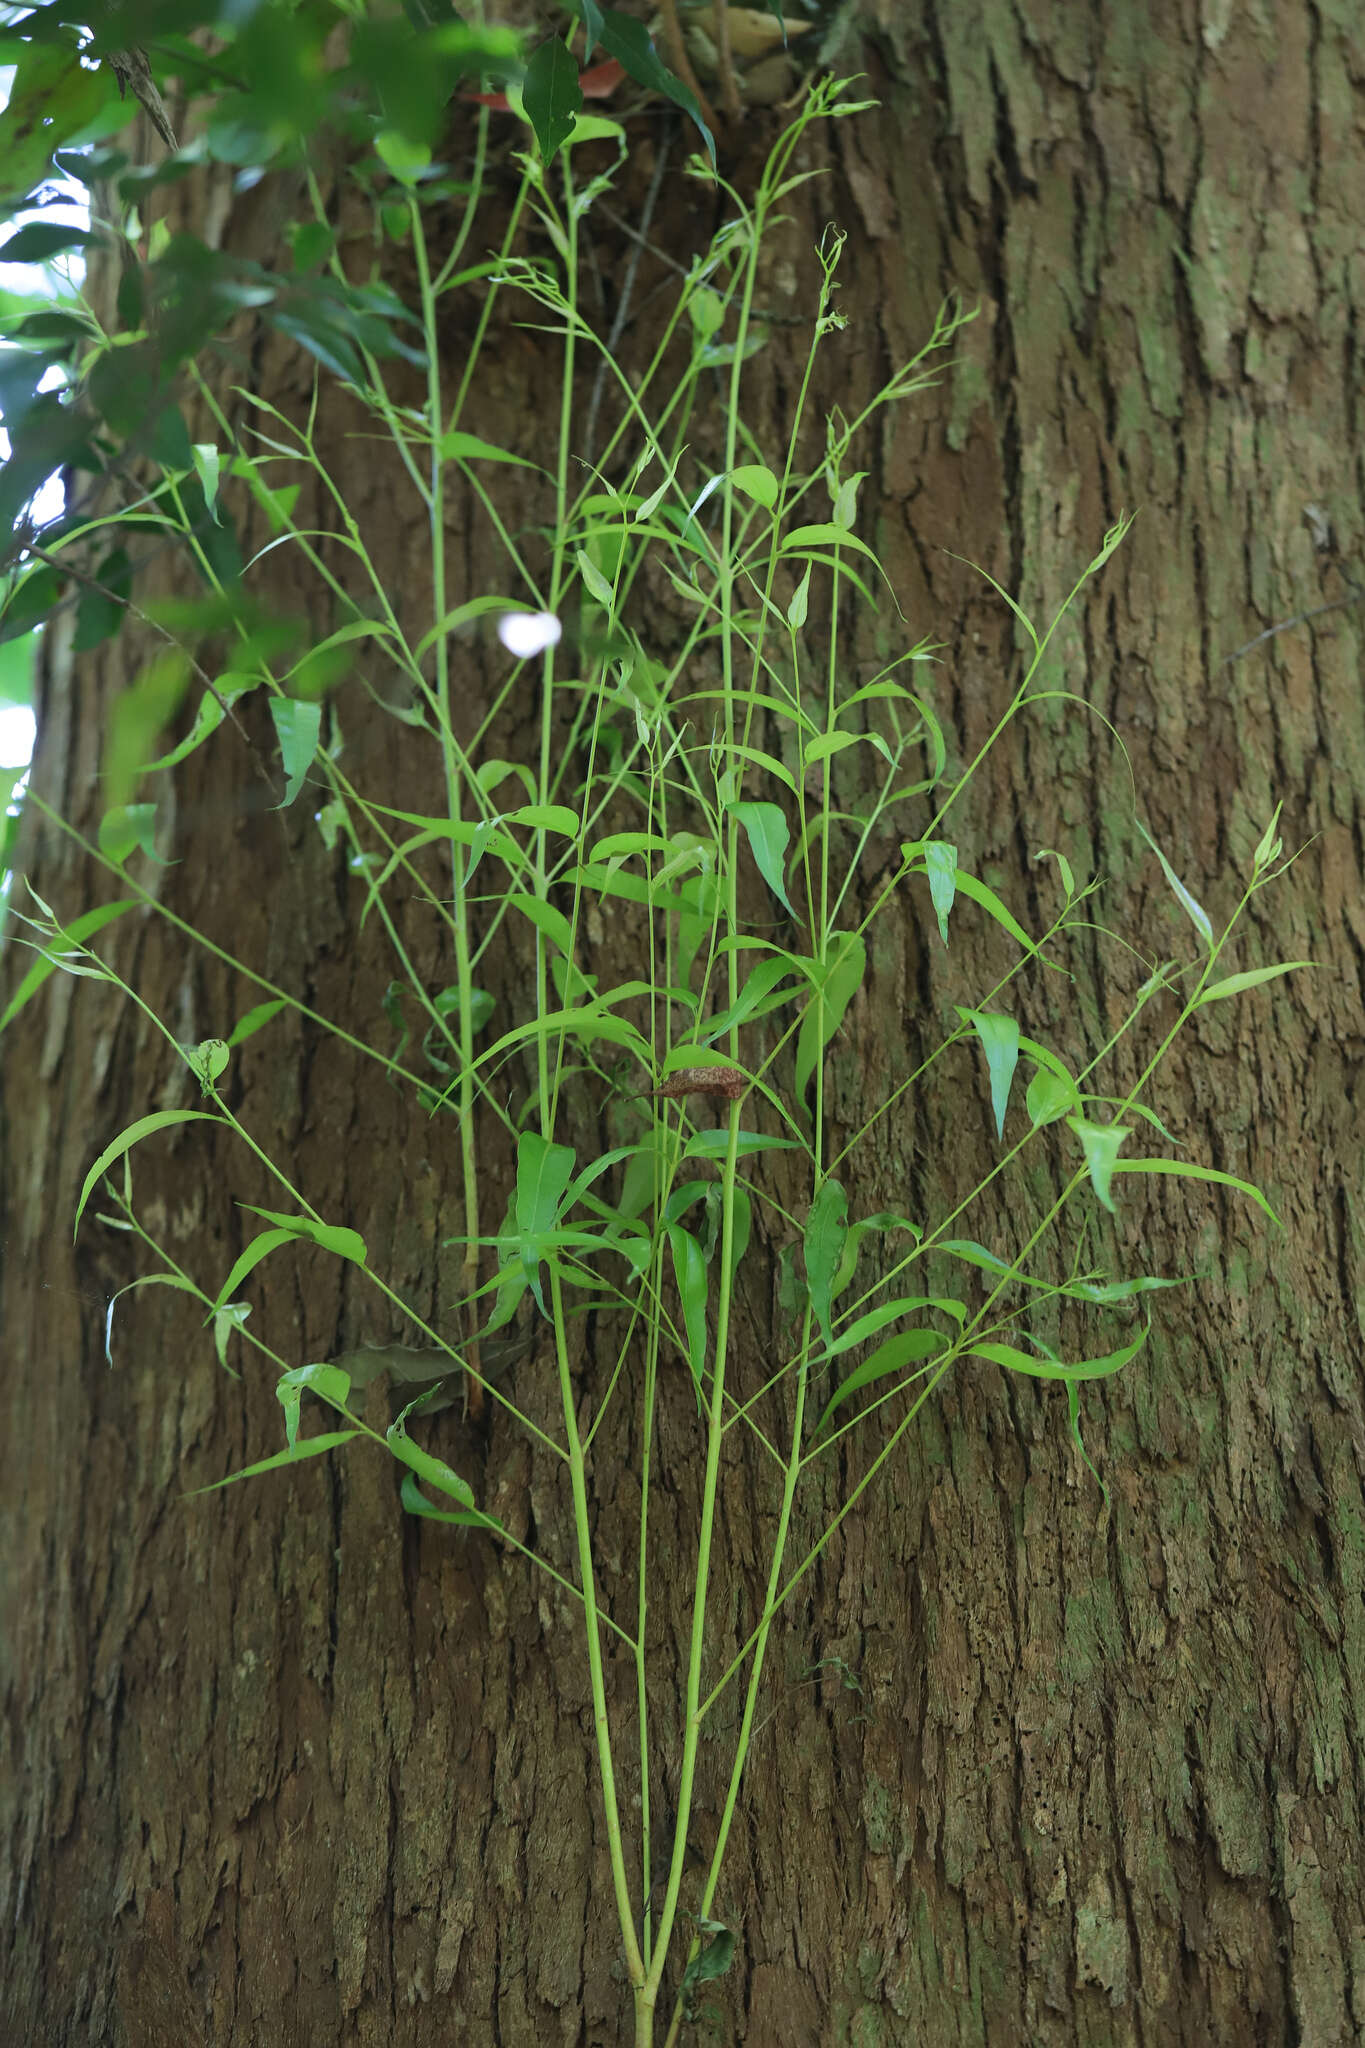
(729, 90)
(1336, 604)
(618, 221)
(681, 62)
(640, 240)
(131, 68)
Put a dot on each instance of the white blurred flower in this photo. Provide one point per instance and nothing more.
(528, 633)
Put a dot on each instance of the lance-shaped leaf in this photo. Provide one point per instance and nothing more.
(1254, 977)
(940, 865)
(689, 1267)
(544, 1171)
(1015, 1360)
(159, 1120)
(1100, 1144)
(826, 1234)
(1196, 913)
(907, 1347)
(839, 978)
(552, 96)
(999, 1037)
(329, 1382)
(67, 937)
(297, 726)
(768, 833)
(1186, 1170)
(427, 1466)
(306, 1447)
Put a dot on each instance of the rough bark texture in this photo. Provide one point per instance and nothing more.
(283, 1766)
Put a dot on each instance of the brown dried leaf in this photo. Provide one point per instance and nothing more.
(726, 1084)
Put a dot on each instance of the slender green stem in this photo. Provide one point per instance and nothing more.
(547, 1108)
(450, 761)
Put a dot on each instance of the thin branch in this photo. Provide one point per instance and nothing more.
(1336, 604)
(681, 62)
(641, 243)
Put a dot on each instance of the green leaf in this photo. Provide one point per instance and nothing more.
(769, 763)
(307, 1447)
(969, 886)
(826, 745)
(766, 829)
(711, 1961)
(689, 1267)
(52, 96)
(246, 1263)
(883, 1221)
(208, 1059)
(825, 1236)
(839, 981)
(791, 1287)
(427, 1466)
(511, 1290)
(1100, 1144)
(999, 1037)
(741, 1231)
(907, 1347)
(206, 720)
(74, 934)
(1270, 846)
(176, 1280)
(940, 865)
(18, 668)
(126, 830)
(416, 1503)
(1063, 868)
(825, 534)
(757, 482)
(459, 447)
(846, 503)
(1050, 1097)
(716, 1145)
(206, 464)
(1073, 1407)
(839, 568)
(297, 726)
(974, 1254)
(159, 1120)
(545, 917)
(100, 612)
(255, 1018)
(756, 998)
(403, 159)
(552, 97)
(1024, 1362)
(594, 582)
(1106, 1291)
(227, 1322)
(800, 602)
(865, 1326)
(547, 818)
(333, 1237)
(1197, 915)
(328, 1382)
(1234, 984)
(544, 1171)
(630, 43)
(1186, 1170)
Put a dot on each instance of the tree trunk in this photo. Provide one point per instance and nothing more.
(284, 1765)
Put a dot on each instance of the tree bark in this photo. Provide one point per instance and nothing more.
(286, 1766)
